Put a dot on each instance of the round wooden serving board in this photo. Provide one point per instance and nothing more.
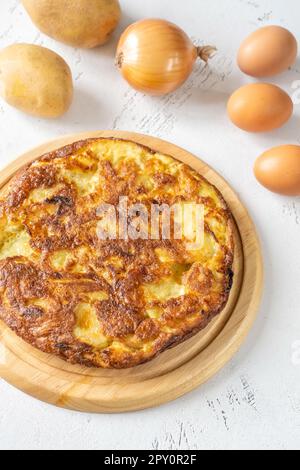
(176, 371)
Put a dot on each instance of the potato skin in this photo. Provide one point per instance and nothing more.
(35, 80)
(79, 23)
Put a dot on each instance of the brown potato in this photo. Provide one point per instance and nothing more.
(35, 80)
(79, 23)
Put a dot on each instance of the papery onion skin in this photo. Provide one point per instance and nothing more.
(156, 57)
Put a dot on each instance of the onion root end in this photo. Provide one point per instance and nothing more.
(120, 60)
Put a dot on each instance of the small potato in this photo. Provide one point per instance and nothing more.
(35, 80)
(79, 23)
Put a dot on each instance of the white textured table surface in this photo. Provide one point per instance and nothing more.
(255, 401)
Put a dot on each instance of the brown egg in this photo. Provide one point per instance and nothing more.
(267, 52)
(278, 170)
(260, 107)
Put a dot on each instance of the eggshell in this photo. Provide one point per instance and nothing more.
(278, 170)
(260, 107)
(268, 52)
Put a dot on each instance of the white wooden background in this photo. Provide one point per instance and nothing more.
(255, 401)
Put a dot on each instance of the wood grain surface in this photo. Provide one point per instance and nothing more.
(176, 371)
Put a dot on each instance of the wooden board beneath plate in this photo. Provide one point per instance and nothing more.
(176, 371)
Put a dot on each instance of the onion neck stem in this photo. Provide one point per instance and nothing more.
(206, 52)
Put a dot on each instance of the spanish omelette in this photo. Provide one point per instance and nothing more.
(108, 303)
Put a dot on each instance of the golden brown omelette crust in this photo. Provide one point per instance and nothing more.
(107, 303)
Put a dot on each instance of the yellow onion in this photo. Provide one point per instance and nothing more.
(157, 57)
